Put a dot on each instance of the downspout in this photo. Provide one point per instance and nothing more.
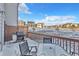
(17, 16)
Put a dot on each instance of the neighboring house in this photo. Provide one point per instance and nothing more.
(30, 24)
(40, 25)
(21, 23)
(22, 26)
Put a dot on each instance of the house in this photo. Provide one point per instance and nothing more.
(40, 25)
(22, 26)
(30, 24)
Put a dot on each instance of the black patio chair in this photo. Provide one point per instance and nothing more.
(25, 51)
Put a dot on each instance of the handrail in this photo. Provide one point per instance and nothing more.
(61, 37)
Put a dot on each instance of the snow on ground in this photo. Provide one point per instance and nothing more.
(10, 50)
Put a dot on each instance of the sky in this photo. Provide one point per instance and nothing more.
(49, 13)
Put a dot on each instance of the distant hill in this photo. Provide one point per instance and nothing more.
(72, 26)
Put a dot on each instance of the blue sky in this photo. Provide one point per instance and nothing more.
(49, 13)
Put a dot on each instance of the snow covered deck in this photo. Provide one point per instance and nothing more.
(51, 50)
(12, 49)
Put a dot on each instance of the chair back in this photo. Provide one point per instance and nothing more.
(24, 48)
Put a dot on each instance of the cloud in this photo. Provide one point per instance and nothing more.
(19, 18)
(54, 20)
(24, 8)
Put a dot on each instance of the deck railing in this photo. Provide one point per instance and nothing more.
(70, 45)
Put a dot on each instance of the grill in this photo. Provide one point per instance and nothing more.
(20, 35)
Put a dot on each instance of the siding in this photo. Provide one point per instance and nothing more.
(9, 31)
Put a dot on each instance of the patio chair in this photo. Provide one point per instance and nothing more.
(25, 51)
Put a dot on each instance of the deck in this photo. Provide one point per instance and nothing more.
(12, 49)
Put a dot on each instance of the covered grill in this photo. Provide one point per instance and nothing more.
(20, 35)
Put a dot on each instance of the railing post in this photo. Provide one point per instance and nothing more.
(53, 39)
(74, 49)
(70, 46)
(63, 43)
(57, 41)
(60, 42)
(66, 45)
